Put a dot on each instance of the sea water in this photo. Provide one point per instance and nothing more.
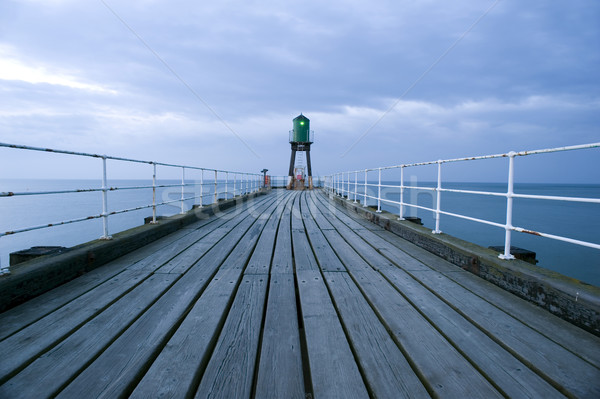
(569, 219)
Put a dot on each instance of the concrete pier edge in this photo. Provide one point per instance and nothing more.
(32, 278)
(568, 298)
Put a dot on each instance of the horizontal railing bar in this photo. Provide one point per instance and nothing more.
(16, 194)
(83, 219)
(555, 237)
(91, 155)
(89, 190)
(558, 198)
(475, 158)
(474, 219)
(493, 193)
(43, 226)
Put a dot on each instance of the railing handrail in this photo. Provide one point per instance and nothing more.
(339, 183)
(235, 183)
(481, 157)
(91, 155)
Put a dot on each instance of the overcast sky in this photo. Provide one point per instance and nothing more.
(217, 83)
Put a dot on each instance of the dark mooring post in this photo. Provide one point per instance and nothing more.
(300, 140)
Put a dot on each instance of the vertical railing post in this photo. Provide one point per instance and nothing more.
(201, 188)
(105, 235)
(335, 188)
(334, 184)
(226, 185)
(182, 189)
(365, 202)
(153, 193)
(509, 206)
(355, 185)
(348, 185)
(438, 191)
(379, 193)
(401, 193)
(216, 192)
(234, 184)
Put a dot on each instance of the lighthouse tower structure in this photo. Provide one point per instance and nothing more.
(300, 140)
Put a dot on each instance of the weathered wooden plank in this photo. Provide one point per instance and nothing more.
(508, 373)
(386, 370)
(321, 201)
(63, 362)
(17, 350)
(176, 368)
(191, 345)
(327, 259)
(574, 339)
(551, 360)
(333, 369)
(302, 252)
(56, 325)
(361, 223)
(428, 350)
(232, 230)
(260, 262)
(124, 362)
(230, 370)
(282, 258)
(365, 241)
(280, 370)
(36, 308)
(120, 365)
(311, 209)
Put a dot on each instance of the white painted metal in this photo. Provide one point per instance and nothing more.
(438, 199)
(401, 193)
(365, 201)
(154, 194)
(355, 185)
(105, 235)
(509, 195)
(216, 192)
(105, 188)
(509, 207)
(379, 193)
(182, 189)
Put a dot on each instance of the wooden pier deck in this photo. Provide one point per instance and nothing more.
(288, 296)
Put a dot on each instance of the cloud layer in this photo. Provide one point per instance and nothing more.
(217, 84)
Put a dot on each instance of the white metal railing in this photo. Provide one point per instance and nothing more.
(232, 184)
(347, 184)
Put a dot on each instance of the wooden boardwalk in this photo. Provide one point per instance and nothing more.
(288, 296)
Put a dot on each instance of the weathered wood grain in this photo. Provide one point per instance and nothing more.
(230, 370)
(63, 362)
(17, 350)
(386, 370)
(280, 372)
(333, 369)
(282, 258)
(189, 315)
(121, 364)
(173, 373)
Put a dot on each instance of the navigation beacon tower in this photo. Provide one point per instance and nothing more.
(300, 139)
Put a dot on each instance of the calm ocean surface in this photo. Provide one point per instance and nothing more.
(574, 220)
